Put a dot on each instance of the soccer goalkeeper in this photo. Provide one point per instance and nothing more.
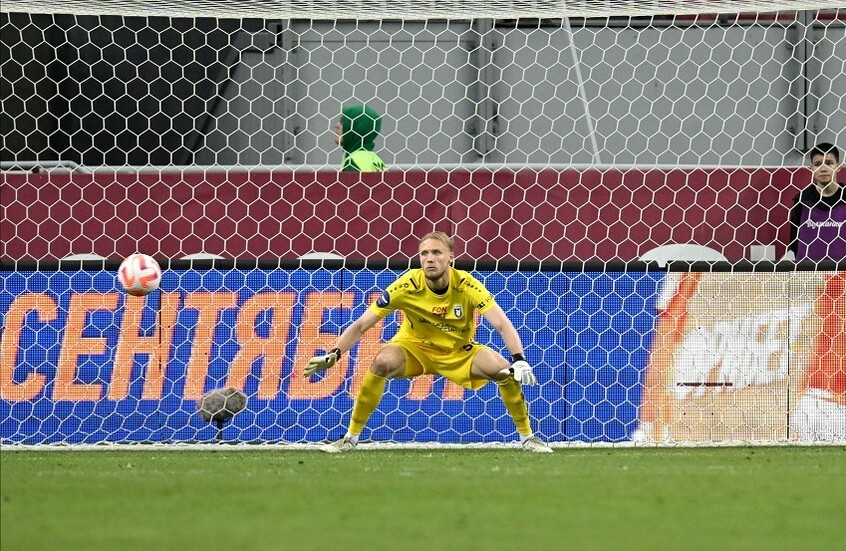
(436, 337)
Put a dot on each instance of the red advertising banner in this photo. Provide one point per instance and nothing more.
(505, 215)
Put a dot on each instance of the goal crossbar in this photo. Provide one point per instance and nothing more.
(406, 9)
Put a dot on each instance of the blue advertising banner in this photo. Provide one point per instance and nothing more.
(84, 362)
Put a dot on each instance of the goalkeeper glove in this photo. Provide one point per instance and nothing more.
(521, 370)
(321, 363)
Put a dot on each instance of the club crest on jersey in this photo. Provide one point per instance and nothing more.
(384, 300)
(457, 311)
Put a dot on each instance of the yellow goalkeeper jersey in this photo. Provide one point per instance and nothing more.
(444, 321)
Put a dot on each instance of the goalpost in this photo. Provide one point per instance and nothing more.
(559, 142)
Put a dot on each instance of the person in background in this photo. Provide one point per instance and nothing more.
(356, 134)
(818, 215)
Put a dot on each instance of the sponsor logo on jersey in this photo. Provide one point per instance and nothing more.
(439, 311)
(384, 300)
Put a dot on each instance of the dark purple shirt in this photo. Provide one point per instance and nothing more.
(818, 225)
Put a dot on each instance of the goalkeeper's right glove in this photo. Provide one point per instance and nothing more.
(322, 363)
(521, 370)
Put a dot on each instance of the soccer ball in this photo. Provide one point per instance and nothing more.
(222, 403)
(139, 274)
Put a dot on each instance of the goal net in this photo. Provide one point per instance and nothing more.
(621, 175)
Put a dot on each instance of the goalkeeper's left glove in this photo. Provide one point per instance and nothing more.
(521, 370)
(321, 363)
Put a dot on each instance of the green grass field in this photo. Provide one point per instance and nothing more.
(600, 498)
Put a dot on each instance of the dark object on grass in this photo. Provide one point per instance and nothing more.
(220, 405)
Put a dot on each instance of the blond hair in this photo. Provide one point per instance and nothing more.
(440, 236)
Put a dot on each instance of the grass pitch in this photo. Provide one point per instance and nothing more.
(599, 498)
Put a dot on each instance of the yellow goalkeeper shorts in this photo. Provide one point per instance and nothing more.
(422, 358)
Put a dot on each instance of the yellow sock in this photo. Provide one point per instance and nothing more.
(515, 403)
(369, 396)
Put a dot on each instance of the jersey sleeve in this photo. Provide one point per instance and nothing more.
(482, 299)
(392, 297)
(383, 305)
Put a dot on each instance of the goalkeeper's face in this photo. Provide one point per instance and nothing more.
(435, 258)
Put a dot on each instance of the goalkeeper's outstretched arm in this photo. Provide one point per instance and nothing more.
(346, 341)
(497, 318)
(519, 369)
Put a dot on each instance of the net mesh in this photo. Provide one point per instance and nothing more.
(601, 139)
(535, 133)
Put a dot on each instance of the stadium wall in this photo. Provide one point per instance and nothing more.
(544, 214)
